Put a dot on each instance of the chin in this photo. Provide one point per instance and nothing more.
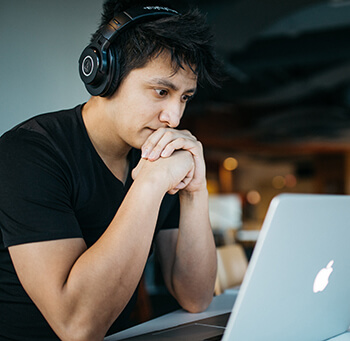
(144, 135)
(139, 143)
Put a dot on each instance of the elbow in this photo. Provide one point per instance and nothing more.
(82, 322)
(77, 335)
(197, 306)
(81, 332)
(196, 300)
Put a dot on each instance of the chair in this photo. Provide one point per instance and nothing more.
(232, 265)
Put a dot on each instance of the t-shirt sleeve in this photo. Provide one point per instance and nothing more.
(35, 190)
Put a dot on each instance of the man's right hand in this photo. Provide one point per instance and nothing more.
(174, 172)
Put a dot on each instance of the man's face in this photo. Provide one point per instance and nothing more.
(150, 98)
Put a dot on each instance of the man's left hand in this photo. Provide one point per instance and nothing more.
(164, 141)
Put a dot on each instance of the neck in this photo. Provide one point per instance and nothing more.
(112, 150)
(100, 130)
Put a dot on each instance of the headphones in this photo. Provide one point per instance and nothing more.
(99, 64)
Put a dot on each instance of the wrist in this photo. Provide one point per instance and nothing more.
(152, 182)
(194, 195)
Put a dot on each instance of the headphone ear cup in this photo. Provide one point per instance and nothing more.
(99, 65)
(89, 64)
(96, 70)
(114, 74)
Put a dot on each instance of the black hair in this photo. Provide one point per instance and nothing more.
(187, 37)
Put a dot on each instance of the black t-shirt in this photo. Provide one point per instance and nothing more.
(54, 185)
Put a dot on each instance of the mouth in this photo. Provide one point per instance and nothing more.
(151, 130)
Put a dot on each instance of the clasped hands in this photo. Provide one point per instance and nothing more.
(178, 155)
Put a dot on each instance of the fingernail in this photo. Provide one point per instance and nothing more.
(145, 153)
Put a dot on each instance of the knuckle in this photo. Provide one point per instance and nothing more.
(189, 134)
(168, 134)
(199, 145)
(151, 141)
(157, 149)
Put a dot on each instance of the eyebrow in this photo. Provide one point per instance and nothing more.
(169, 84)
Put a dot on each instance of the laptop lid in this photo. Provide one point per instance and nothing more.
(297, 282)
(296, 285)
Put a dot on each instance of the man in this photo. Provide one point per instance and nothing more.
(80, 211)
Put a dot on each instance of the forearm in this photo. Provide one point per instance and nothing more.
(103, 278)
(194, 269)
(190, 269)
(82, 291)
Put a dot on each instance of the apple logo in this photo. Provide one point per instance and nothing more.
(321, 280)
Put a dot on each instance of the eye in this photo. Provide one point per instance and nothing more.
(187, 98)
(161, 92)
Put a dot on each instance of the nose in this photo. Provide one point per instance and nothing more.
(171, 114)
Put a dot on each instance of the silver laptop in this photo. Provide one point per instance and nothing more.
(297, 286)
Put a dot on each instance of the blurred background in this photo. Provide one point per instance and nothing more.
(280, 123)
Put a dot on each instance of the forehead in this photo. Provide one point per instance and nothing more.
(162, 66)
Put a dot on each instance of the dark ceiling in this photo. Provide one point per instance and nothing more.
(288, 69)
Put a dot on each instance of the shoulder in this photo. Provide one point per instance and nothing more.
(42, 143)
(48, 125)
(46, 132)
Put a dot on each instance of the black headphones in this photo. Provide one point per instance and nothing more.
(98, 64)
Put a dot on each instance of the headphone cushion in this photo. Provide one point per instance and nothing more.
(114, 75)
(99, 64)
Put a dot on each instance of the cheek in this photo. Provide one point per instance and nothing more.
(147, 117)
(140, 112)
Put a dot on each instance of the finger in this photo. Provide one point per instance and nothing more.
(182, 143)
(157, 142)
(179, 187)
(161, 144)
(173, 191)
(184, 183)
(151, 141)
(189, 177)
(168, 138)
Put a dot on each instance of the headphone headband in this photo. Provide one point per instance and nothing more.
(123, 19)
(97, 65)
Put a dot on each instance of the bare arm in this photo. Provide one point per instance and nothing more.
(190, 271)
(82, 291)
(189, 268)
